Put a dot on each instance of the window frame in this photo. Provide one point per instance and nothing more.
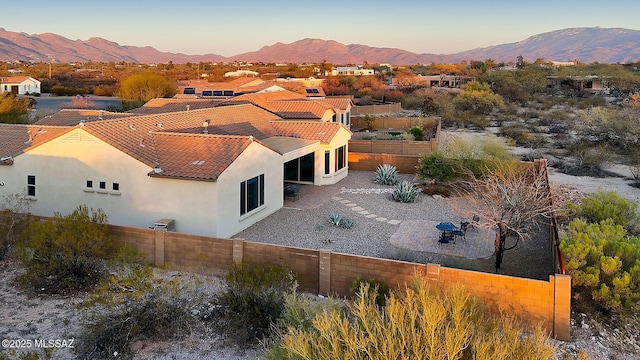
(31, 186)
(251, 195)
(340, 155)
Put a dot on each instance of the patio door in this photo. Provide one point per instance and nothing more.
(300, 169)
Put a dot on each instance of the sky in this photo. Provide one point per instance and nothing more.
(228, 28)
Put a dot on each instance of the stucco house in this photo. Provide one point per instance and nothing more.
(214, 171)
(19, 85)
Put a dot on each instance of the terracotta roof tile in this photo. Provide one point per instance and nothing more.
(338, 103)
(134, 135)
(303, 109)
(164, 105)
(310, 130)
(196, 156)
(15, 139)
(72, 117)
(13, 79)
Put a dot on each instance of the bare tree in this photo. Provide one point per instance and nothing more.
(511, 199)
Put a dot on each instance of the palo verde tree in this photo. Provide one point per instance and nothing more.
(512, 198)
(140, 88)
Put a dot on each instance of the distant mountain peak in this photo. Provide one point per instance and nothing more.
(587, 44)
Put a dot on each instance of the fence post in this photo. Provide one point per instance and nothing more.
(562, 307)
(158, 255)
(238, 251)
(324, 273)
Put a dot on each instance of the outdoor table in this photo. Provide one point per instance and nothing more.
(446, 229)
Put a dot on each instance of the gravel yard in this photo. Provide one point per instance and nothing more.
(305, 223)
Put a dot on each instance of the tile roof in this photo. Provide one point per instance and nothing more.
(15, 139)
(310, 130)
(134, 135)
(164, 105)
(338, 103)
(287, 104)
(196, 156)
(72, 117)
(303, 109)
(13, 79)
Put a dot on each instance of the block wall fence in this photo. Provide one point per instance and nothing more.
(327, 273)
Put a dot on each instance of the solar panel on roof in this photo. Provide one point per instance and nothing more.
(190, 90)
(312, 91)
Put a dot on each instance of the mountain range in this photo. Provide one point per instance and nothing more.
(587, 44)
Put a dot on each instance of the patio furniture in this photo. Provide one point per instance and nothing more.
(291, 191)
(461, 232)
(446, 232)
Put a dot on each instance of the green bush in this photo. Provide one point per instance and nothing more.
(386, 174)
(603, 205)
(69, 252)
(417, 323)
(379, 289)
(405, 192)
(604, 264)
(370, 121)
(131, 305)
(435, 167)
(253, 301)
(417, 132)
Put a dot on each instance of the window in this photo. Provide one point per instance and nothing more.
(327, 161)
(89, 183)
(348, 119)
(251, 194)
(116, 187)
(341, 157)
(31, 185)
(103, 185)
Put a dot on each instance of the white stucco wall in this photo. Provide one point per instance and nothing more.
(62, 167)
(340, 139)
(254, 161)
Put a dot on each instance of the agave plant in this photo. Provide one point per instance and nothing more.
(405, 192)
(386, 174)
(347, 223)
(335, 219)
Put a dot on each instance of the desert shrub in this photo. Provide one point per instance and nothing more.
(604, 264)
(347, 223)
(14, 221)
(253, 301)
(606, 205)
(69, 252)
(378, 288)
(386, 174)
(435, 167)
(417, 322)
(405, 191)
(370, 121)
(131, 305)
(586, 159)
(417, 132)
(385, 136)
(478, 156)
(521, 135)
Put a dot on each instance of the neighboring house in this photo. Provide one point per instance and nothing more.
(73, 117)
(226, 89)
(164, 105)
(351, 70)
(19, 85)
(589, 83)
(290, 105)
(214, 171)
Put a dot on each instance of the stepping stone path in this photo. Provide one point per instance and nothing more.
(362, 211)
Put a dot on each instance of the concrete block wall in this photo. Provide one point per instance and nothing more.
(323, 272)
(406, 164)
(400, 147)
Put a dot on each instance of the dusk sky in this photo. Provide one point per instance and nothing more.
(229, 28)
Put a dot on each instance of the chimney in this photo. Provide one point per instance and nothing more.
(188, 107)
(205, 126)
